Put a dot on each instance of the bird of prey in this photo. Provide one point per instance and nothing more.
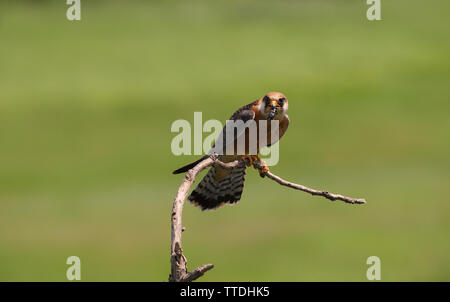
(220, 185)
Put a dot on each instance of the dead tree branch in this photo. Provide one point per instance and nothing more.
(179, 271)
(325, 194)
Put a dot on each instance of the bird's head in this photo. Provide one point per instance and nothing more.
(274, 106)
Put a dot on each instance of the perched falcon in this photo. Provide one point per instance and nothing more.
(222, 185)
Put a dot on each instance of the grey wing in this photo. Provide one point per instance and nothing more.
(243, 114)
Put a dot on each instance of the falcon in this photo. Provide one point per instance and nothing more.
(220, 185)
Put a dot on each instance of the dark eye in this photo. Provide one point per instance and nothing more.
(266, 100)
(281, 102)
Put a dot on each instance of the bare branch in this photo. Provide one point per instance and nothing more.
(178, 261)
(325, 194)
(198, 272)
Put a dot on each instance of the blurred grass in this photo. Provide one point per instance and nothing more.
(85, 115)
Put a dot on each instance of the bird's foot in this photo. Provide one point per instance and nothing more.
(257, 163)
(250, 160)
(247, 160)
(263, 170)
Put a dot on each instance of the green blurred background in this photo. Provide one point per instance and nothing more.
(85, 159)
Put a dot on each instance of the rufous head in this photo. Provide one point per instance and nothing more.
(273, 105)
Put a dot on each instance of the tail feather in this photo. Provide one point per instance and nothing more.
(188, 166)
(210, 194)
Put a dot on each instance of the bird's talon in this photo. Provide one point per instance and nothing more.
(263, 171)
(248, 160)
(254, 160)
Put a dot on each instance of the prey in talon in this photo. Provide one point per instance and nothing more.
(225, 186)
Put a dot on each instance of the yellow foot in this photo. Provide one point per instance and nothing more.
(251, 160)
(263, 171)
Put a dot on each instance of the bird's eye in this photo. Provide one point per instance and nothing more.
(281, 102)
(266, 100)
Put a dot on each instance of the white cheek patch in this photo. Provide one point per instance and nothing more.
(261, 108)
(282, 111)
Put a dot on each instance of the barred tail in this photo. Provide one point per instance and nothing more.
(210, 194)
(188, 166)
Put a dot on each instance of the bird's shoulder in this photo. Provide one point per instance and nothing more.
(245, 113)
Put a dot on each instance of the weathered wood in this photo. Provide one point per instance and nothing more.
(179, 270)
